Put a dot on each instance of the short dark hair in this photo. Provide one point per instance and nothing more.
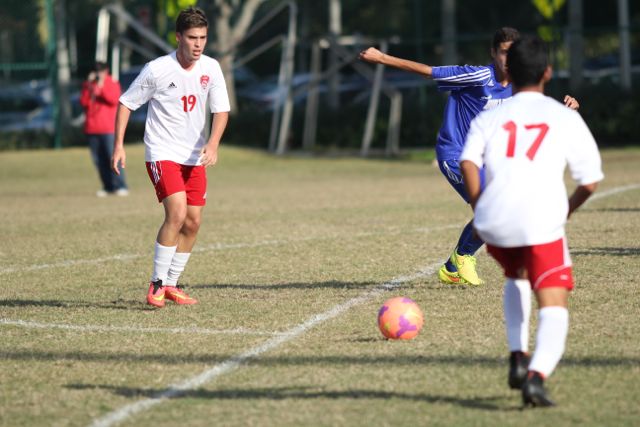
(527, 60)
(100, 66)
(504, 34)
(191, 18)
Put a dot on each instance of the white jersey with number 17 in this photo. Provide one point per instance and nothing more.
(175, 126)
(524, 146)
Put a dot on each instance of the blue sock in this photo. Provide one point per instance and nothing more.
(468, 244)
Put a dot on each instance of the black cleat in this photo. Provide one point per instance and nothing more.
(533, 392)
(518, 368)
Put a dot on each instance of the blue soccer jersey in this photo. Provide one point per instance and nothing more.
(473, 89)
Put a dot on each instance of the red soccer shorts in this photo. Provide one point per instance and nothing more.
(548, 265)
(170, 177)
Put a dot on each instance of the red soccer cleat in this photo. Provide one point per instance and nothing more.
(156, 294)
(177, 295)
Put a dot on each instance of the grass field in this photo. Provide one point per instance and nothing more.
(294, 258)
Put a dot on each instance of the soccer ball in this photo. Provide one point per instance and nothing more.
(400, 318)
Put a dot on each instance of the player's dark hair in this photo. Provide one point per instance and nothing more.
(191, 18)
(504, 34)
(527, 61)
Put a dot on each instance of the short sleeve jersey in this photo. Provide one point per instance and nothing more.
(473, 89)
(524, 146)
(175, 125)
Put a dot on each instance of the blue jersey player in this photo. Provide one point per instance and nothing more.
(472, 89)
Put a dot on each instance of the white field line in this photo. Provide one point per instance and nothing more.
(213, 247)
(109, 328)
(235, 362)
(228, 246)
(611, 192)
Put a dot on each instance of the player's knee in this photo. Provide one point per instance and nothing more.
(176, 219)
(191, 225)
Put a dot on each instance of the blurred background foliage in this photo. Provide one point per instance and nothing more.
(413, 27)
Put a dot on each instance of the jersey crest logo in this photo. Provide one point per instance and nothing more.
(172, 85)
(204, 81)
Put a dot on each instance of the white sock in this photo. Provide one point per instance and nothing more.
(517, 311)
(162, 262)
(178, 263)
(553, 326)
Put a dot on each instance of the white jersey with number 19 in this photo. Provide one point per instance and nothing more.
(524, 146)
(175, 126)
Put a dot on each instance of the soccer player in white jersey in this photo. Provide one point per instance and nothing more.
(177, 87)
(524, 146)
(473, 88)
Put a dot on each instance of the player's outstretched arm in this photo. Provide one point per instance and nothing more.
(119, 157)
(571, 102)
(580, 195)
(471, 178)
(374, 56)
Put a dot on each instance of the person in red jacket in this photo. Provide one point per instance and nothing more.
(99, 98)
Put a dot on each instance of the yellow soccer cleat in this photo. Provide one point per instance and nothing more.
(450, 278)
(466, 265)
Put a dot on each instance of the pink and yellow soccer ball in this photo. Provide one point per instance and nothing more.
(400, 318)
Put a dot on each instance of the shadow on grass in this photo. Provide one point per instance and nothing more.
(284, 393)
(334, 284)
(607, 251)
(115, 305)
(331, 360)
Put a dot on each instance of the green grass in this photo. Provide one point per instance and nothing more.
(283, 240)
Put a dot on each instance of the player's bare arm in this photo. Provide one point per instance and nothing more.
(209, 155)
(375, 56)
(580, 195)
(571, 102)
(119, 155)
(471, 177)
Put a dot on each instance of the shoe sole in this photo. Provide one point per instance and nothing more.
(179, 301)
(535, 403)
(468, 282)
(447, 280)
(155, 303)
(183, 302)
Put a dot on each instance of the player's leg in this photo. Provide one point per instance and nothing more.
(97, 156)
(460, 268)
(517, 314)
(551, 276)
(188, 233)
(170, 190)
(175, 208)
(462, 259)
(196, 187)
(517, 311)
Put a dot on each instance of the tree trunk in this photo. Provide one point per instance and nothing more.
(64, 72)
(229, 35)
(224, 46)
(576, 45)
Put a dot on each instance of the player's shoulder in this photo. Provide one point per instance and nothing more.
(209, 61)
(161, 62)
(556, 108)
(465, 72)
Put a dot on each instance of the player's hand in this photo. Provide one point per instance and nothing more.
(209, 156)
(371, 55)
(119, 157)
(92, 76)
(571, 102)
